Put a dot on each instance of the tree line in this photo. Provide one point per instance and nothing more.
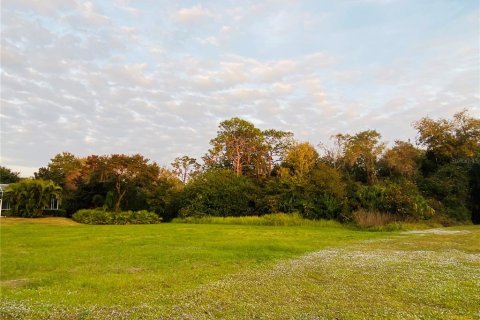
(248, 171)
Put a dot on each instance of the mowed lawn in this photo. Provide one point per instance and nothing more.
(56, 269)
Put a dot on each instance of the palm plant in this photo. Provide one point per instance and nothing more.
(30, 197)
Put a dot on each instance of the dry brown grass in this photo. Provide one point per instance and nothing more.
(367, 219)
(14, 283)
(5, 221)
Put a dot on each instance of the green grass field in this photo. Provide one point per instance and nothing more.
(56, 269)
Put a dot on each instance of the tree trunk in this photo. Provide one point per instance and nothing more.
(238, 160)
(120, 196)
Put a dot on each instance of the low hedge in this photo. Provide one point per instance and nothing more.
(99, 216)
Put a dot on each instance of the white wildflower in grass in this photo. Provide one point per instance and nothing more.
(421, 283)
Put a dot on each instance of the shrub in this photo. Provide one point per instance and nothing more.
(219, 192)
(449, 185)
(99, 216)
(55, 213)
(402, 199)
(320, 194)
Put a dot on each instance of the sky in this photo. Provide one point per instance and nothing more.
(157, 77)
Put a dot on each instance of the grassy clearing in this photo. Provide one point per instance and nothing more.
(70, 271)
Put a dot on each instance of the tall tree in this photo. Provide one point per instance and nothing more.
(402, 159)
(301, 159)
(332, 155)
(185, 167)
(129, 171)
(361, 151)
(116, 174)
(63, 169)
(238, 143)
(277, 143)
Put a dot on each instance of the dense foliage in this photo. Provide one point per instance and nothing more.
(8, 176)
(248, 171)
(99, 216)
(219, 192)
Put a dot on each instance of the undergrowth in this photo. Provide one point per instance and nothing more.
(365, 221)
(274, 219)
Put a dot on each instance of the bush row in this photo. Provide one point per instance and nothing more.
(100, 216)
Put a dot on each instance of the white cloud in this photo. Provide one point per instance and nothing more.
(226, 29)
(211, 40)
(92, 14)
(125, 5)
(282, 88)
(193, 15)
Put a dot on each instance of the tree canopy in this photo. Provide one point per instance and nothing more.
(446, 140)
(252, 171)
(8, 176)
(360, 153)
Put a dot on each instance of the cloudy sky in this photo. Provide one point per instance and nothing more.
(156, 77)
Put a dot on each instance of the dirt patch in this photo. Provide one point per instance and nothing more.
(437, 232)
(14, 283)
(5, 221)
(134, 270)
